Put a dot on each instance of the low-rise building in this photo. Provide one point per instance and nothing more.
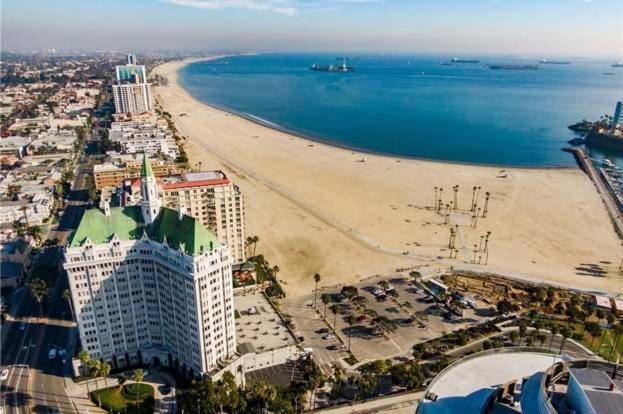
(113, 174)
(151, 138)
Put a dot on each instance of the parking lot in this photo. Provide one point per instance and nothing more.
(417, 317)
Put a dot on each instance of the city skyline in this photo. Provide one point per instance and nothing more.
(559, 27)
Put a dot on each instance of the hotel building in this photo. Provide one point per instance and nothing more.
(209, 196)
(131, 92)
(151, 285)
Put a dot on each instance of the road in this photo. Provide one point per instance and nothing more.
(36, 382)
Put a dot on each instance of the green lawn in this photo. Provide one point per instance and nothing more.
(114, 401)
(603, 348)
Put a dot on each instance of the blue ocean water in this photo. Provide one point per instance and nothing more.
(413, 106)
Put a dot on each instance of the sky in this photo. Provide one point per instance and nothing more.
(530, 27)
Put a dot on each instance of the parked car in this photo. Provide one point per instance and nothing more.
(323, 330)
(52, 353)
(328, 336)
(336, 347)
(4, 375)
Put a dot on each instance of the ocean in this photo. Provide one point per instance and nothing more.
(412, 106)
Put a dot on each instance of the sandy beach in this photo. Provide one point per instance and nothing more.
(319, 209)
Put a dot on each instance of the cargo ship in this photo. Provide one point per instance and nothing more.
(618, 64)
(333, 68)
(513, 67)
(460, 60)
(554, 62)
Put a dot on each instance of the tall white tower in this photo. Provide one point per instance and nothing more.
(150, 203)
(131, 59)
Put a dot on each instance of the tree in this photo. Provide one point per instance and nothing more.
(67, 298)
(96, 368)
(335, 309)
(38, 290)
(618, 329)
(359, 301)
(565, 332)
(255, 240)
(504, 307)
(20, 228)
(409, 374)
(349, 291)
(105, 371)
(35, 232)
(316, 280)
(350, 320)
(264, 393)
(84, 357)
(275, 272)
(514, 336)
(325, 298)
(139, 376)
(384, 324)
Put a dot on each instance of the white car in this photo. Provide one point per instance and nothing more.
(52, 353)
(329, 336)
(62, 352)
(4, 375)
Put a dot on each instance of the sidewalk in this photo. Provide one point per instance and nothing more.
(396, 404)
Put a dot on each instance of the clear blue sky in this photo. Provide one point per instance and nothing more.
(538, 27)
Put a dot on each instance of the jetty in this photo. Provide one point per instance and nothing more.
(613, 202)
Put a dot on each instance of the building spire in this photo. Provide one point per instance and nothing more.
(146, 169)
(150, 203)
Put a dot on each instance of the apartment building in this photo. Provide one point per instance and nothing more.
(151, 285)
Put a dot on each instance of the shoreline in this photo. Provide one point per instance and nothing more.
(318, 210)
(317, 140)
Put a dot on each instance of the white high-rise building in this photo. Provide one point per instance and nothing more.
(151, 285)
(131, 92)
(132, 98)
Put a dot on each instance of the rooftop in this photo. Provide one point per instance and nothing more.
(467, 384)
(198, 179)
(127, 224)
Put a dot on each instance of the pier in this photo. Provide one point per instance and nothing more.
(612, 201)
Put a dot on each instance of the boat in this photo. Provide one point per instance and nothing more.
(333, 68)
(618, 64)
(461, 60)
(554, 62)
(446, 63)
(513, 67)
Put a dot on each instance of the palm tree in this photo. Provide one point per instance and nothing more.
(67, 298)
(105, 370)
(474, 188)
(38, 290)
(255, 239)
(84, 357)
(350, 320)
(139, 376)
(565, 332)
(610, 319)
(456, 203)
(35, 232)
(316, 279)
(24, 209)
(325, 298)
(275, 271)
(96, 369)
(335, 308)
(618, 328)
(486, 208)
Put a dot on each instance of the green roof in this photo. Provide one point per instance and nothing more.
(146, 169)
(127, 224)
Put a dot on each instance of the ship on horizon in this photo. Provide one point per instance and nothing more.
(618, 64)
(554, 62)
(461, 60)
(333, 68)
(513, 67)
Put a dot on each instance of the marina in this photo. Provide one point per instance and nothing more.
(613, 177)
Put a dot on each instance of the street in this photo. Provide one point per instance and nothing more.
(36, 382)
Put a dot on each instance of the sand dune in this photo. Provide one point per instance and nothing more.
(316, 208)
